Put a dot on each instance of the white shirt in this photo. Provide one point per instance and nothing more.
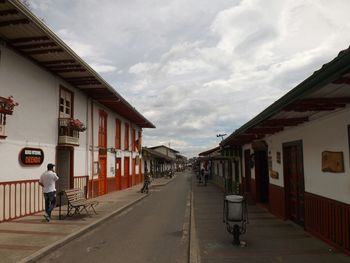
(48, 179)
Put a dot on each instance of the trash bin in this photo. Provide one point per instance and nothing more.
(234, 208)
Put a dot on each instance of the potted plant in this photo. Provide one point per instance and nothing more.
(77, 125)
(7, 105)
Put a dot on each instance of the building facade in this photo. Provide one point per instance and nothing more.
(66, 114)
(295, 154)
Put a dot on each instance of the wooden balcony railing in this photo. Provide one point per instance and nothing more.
(20, 198)
(66, 134)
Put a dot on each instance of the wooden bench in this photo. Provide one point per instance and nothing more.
(77, 202)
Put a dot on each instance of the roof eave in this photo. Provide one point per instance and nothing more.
(53, 36)
(328, 73)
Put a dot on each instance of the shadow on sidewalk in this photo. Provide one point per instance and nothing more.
(269, 239)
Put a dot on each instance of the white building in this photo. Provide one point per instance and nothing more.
(54, 87)
(161, 159)
(295, 154)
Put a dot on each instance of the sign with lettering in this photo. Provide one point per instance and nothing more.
(31, 156)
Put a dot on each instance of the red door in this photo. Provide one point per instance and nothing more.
(118, 173)
(102, 144)
(102, 177)
(133, 175)
(294, 181)
(127, 171)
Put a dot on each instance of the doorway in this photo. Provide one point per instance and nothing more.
(64, 169)
(261, 176)
(118, 173)
(127, 172)
(293, 170)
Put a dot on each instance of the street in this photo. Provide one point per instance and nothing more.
(153, 230)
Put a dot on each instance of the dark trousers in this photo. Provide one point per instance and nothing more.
(50, 202)
(145, 187)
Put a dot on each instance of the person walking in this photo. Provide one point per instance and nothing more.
(146, 182)
(48, 182)
(206, 176)
(201, 176)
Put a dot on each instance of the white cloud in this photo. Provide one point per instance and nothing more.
(199, 70)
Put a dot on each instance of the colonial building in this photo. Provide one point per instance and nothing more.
(160, 160)
(54, 108)
(224, 167)
(155, 162)
(295, 154)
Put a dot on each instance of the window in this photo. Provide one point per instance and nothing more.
(117, 134)
(126, 141)
(102, 130)
(139, 141)
(66, 103)
(133, 138)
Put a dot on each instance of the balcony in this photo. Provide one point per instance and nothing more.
(68, 131)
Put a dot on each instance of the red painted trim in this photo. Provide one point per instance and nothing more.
(118, 133)
(277, 201)
(111, 187)
(328, 220)
(9, 212)
(253, 188)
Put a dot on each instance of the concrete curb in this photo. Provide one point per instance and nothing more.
(194, 255)
(46, 250)
(162, 184)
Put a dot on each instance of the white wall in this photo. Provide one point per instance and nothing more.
(165, 151)
(34, 122)
(325, 134)
(37, 93)
(111, 117)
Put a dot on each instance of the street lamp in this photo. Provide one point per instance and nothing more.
(236, 217)
(221, 135)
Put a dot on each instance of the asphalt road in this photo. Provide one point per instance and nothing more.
(153, 230)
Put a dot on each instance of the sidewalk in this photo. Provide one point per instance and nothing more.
(28, 238)
(268, 238)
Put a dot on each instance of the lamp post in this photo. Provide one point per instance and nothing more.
(236, 217)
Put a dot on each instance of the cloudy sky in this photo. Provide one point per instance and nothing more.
(198, 68)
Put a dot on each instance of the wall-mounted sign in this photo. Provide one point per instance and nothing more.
(332, 162)
(31, 156)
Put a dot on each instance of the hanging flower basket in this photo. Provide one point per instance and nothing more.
(77, 125)
(7, 105)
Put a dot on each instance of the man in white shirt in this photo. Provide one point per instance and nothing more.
(48, 182)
